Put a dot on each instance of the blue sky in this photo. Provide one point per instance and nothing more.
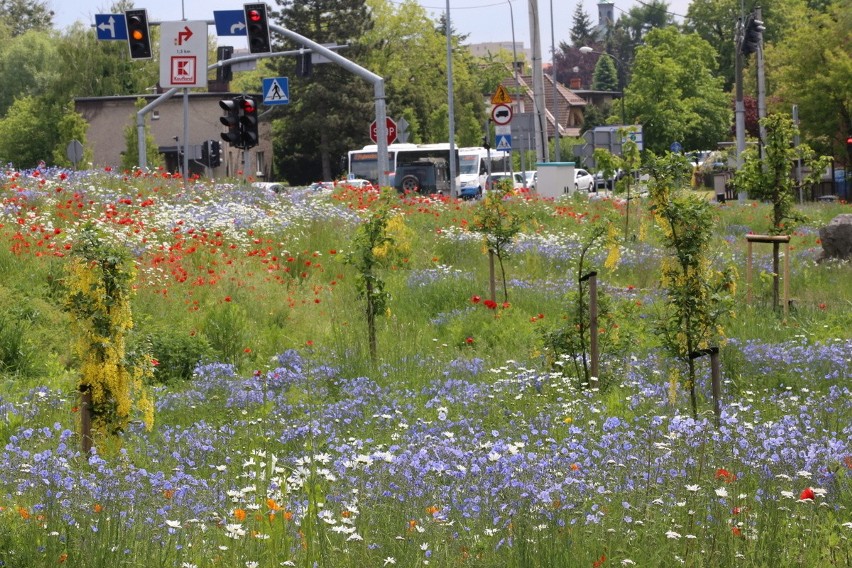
(483, 20)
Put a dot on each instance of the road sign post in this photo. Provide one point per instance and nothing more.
(391, 130)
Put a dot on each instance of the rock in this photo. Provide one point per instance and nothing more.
(836, 238)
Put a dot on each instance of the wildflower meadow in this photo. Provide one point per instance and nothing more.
(345, 378)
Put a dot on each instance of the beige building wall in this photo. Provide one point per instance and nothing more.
(109, 117)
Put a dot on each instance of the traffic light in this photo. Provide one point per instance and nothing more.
(257, 28)
(752, 35)
(304, 65)
(215, 154)
(248, 119)
(138, 34)
(231, 119)
(224, 73)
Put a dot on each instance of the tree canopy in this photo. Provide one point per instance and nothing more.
(674, 93)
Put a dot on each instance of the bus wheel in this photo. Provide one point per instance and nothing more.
(410, 183)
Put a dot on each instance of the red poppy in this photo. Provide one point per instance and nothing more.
(807, 493)
(723, 473)
(599, 562)
(476, 299)
(490, 304)
(469, 341)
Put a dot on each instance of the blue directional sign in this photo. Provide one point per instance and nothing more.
(503, 142)
(111, 26)
(230, 22)
(276, 91)
(676, 147)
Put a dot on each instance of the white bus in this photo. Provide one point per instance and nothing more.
(472, 162)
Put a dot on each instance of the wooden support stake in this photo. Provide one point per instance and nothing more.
(86, 419)
(716, 382)
(593, 327)
(748, 274)
(492, 281)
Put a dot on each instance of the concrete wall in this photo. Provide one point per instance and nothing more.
(108, 118)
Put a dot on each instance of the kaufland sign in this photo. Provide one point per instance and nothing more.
(183, 54)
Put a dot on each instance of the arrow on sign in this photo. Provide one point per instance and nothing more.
(184, 35)
(104, 26)
(237, 28)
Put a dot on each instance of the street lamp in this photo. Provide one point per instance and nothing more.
(557, 157)
(620, 64)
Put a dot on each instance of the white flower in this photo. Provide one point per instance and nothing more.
(803, 474)
(251, 564)
(693, 488)
(173, 524)
(494, 456)
(424, 546)
(627, 562)
(355, 536)
(234, 531)
(672, 534)
(722, 492)
(820, 491)
(389, 560)
(788, 494)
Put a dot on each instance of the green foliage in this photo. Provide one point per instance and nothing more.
(29, 67)
(675, 94)
(24, 15)
(226, 328)
(72, 126)
(582, 29)
(177, 353)
(769, 178)
(605, 77)
(25, 139)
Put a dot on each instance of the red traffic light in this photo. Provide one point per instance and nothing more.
(248, 105)
(255, 15)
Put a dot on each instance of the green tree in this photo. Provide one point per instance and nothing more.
(630, 30)
(334, 109)
(24, 139)
(499, 224)
(71, 126)
(811, 66)
(20, 16)
(29, 65)
(674, 93)
(582, 30)
(605, 77)
(412, 55)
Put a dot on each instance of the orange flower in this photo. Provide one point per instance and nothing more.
(599, 562)
(736, 531)
(273, 506)
(432, 510)
(168, 493)
(575, 467)
(62, 558)
(97, 508)
(411, 525)
(24, 513)
(288, 516)
(240, 514)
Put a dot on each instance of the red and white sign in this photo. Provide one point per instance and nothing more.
(391, 127)
(184, 70)
(501, 114)
(183, 54)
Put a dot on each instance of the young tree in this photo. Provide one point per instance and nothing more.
(71, 126)
(499, 225)
(770, 178)
(697, 297)
(27, 134)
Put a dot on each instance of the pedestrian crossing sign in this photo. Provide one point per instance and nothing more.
(501, 96)
(276, 91)
(503, 142)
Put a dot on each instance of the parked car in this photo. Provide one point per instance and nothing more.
(583, 180)
(320, 185)
(357, 183)
(532, 177)
(517, 179)
(425, 176)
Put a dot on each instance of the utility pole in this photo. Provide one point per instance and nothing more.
(739, 105)
(541, 152)
(761, 80)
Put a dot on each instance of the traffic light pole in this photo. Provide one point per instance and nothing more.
(140, 115)
(378, 93)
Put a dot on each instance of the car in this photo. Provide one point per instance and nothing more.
(531, 178)
(583, 180)
(320, 185)
(269, 186)
(607, 183)
(517, 183)
(357, 183)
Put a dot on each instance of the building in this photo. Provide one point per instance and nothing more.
(109, 117)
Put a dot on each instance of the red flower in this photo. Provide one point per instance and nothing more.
(469, 341)
(227, 298)
(490, 304)
(822, 306)
(599, 562)
(506, 305)
(807, 493)
(723, 473)
(476, 299)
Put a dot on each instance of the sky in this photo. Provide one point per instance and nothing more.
(482, 20)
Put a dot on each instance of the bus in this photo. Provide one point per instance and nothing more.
(471, 162)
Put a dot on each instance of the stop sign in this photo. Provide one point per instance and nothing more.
(391, 127)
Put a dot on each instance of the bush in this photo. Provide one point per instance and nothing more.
(177, 353)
